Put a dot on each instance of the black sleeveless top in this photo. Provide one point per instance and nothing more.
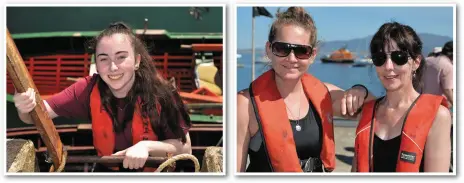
(386, 154)
(307, 141)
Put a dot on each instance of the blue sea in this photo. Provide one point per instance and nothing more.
(341, 75)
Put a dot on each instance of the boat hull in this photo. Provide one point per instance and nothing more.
(340, 61)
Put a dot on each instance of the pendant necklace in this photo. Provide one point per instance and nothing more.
(297, 127)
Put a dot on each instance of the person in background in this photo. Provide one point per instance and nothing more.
(436, 51)
(438, 73)
(438, 78)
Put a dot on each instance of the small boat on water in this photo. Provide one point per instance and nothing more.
(366, 60)
(263, 60)
(341, 55)
(363, 62)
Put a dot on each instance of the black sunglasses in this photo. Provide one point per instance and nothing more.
(398, 57)
(282, 49)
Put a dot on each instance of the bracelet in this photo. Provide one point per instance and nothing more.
(360, 85)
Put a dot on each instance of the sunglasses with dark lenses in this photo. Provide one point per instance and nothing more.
(398, 57)
(282, 49)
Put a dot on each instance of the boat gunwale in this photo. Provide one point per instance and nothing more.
(171, 35)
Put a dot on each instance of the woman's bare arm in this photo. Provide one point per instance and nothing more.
(173, 146)
(438, 147)
(243, 133)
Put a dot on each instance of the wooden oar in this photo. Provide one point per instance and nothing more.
(22, 81)
(151, 161)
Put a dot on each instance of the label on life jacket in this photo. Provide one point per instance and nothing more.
(409, 157)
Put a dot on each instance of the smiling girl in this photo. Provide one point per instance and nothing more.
(134, 112)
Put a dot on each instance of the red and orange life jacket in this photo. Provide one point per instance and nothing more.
(102, 127)
(413, 136)
(277, 132)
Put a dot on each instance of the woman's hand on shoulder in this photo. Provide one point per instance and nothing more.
(346, 103)
(353, 100)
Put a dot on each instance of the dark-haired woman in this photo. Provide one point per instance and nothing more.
(134, 112)
(404, 131)
(285, 116)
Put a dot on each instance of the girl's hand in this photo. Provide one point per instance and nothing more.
(25, 102)
(135, 156)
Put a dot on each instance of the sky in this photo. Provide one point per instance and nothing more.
(345, 23)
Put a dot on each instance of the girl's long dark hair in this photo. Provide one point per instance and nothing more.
(150, 87)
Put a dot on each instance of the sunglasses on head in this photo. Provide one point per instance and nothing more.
(398, 57)
(282, 49)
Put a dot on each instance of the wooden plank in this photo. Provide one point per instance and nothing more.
(63, 68)
(14, 134)
(62, 56)
(34, 128)
(84, 127)
(179, 64)
(206, 47)
(53, 62)
(89, 148)
(151, 161)
(22, 81)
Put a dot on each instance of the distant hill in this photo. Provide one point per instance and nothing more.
(361, 45)
(431, 40)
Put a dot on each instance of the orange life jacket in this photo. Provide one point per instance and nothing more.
(413, 136)
(102, 127)
(277, 131)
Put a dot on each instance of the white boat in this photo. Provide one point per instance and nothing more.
(363, 62)
(263, 60)
(368, 60)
